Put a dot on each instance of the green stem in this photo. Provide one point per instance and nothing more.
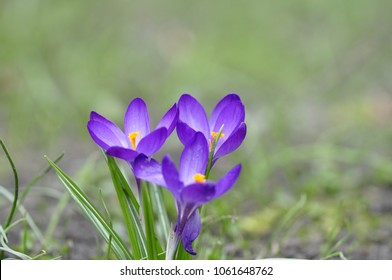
(172, 245)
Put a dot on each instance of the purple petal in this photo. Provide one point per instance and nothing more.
(194, 158)
(232, 142)
(192, 113)
(197, 194)
(149, 170)
(170, 174)
(230, 117)
(103, 135)
(232, 97)
(169, 120)
(151, 143)
(185, 132)
(94, 116)
(123, 153)
(227, 181)
(191, 232)
(136, 118)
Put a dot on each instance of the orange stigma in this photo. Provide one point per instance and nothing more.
(132, 137)
(199, 178)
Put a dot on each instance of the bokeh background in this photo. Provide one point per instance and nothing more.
(316, 80)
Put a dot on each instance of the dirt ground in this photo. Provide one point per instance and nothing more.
(75, 238)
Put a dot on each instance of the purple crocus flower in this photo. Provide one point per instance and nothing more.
(188, 185)
(137, 137)
(229, 113)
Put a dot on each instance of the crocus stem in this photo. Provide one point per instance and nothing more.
(172, 244)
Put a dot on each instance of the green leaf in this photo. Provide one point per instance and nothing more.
(181, 254)
(36, 179)
(110, 224)
(95, 217)
(128, 207)
(4, 247)
(148, 215)
(37, 232)
(157, 199)
(16, 179)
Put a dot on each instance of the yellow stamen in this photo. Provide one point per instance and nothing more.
(213, 136)
(132, 137)
(199, 178)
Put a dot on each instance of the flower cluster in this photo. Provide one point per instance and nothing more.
(205, 141)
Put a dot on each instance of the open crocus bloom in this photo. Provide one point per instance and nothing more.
(137, 137)
(228, 115)
(188, 185)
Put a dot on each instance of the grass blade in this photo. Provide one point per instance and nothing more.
(149, 224)
(37, 232)
(157, 199)
(16, 179)
(37, 178)
(110, 224)
(93, 214)
(128, 208)
(5, 248)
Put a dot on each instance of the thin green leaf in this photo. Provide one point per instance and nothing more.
(37, 178)
(16, 180)
(149, 224)
(131, 218)
(4, 247)
(125, 184)
(25, 235)
(163, 219)
(92, 214)
(23, 212)
(181, 254)
(110, 223)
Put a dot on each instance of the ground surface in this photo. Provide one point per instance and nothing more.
(315, 81)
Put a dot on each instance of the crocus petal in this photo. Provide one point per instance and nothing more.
(191, 232)
(192, 113)
(185, 132)
(103, 135)
(197, 194)
(152, 142)
(232, 142)
(227, 181)
(230, 117)
(136, 118)
(123, 153)
(232, 97)
(149, 170)
(94, 116)
(169, 120)
(170, 174)
(194, 158)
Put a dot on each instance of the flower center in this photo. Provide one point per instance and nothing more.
(199, 178)
(213, 137)
(132, 137)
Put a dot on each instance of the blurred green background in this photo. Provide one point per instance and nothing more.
(315, 77)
